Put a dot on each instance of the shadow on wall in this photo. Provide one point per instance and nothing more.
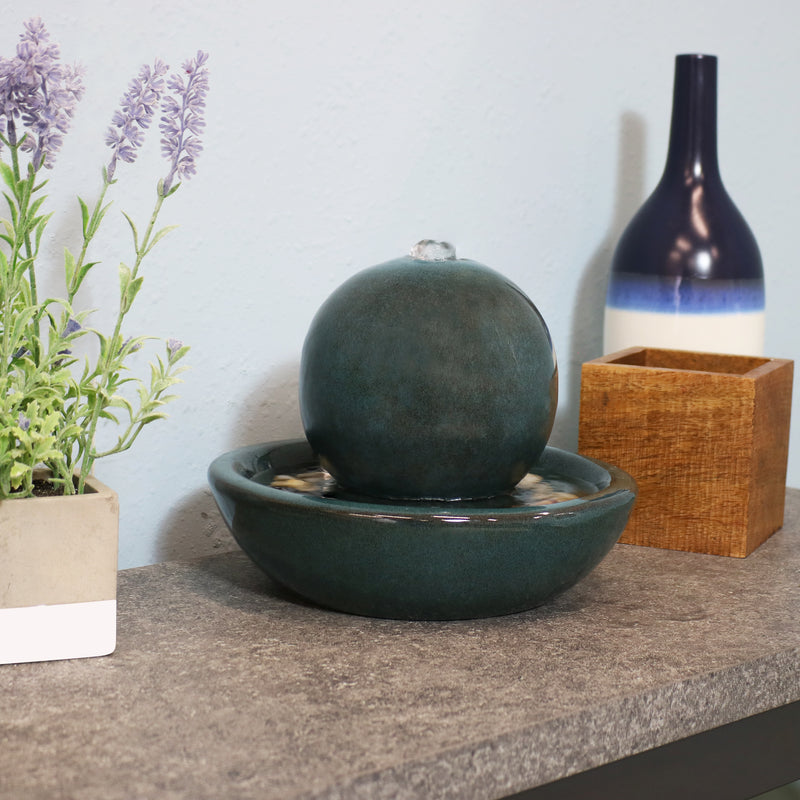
(194, 527)
(586, 341)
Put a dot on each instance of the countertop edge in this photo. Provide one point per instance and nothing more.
(624, 726)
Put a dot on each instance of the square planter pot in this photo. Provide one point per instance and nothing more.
(705, 436)
(58, 576)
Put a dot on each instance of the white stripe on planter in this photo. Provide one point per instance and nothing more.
(49, 633)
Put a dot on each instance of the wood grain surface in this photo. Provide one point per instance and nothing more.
(706, 437)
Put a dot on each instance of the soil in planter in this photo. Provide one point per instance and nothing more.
(43, 488)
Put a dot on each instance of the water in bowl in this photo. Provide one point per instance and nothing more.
(533, 490)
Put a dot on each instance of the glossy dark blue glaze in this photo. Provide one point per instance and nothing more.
(689, 230)
(428, 379)
(411, 561)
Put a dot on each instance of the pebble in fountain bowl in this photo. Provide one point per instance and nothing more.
(428, 377)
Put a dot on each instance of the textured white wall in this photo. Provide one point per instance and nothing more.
(340, 133)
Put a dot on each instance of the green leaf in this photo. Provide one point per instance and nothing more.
(8, 176)
(18, 471)
(69, 267)
(99, 219)
(160, 235)
(152, 417)
(12, 207)
(84, 216)
(135, 232)
(35, 206)
(118, 401)
(83, 271)
(38, 186)
(41, 225)
(21, 322)
(178, 354)
(103, 342)
(144, 394)
(22, 266)
(51, 454)
(133, 345)
(125, 276)
(130, 293)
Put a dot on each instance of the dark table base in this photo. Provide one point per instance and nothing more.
(733, 762)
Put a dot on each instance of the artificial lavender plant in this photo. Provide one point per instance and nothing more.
(51, 403)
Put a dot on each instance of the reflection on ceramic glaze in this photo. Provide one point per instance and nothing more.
(532, 490)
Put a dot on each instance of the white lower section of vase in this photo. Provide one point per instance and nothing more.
(55, 632)
(738, 333)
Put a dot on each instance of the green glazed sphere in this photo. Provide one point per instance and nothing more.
(428, 377)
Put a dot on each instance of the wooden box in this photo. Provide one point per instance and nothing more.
(705, 436)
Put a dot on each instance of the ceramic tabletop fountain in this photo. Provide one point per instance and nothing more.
(425, 488)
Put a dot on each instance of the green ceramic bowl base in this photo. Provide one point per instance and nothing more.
(405, 561)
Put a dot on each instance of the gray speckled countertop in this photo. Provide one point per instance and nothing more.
(224, 687)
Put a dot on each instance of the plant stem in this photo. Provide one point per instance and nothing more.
(22, 203)
(105, 370)
(88, 234)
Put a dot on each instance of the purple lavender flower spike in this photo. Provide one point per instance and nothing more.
(23, 422)
(182, 121)
(72, 327)
(137, 108)
(173, 345)
(36, 90)
(135, 348)
(59, 362)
